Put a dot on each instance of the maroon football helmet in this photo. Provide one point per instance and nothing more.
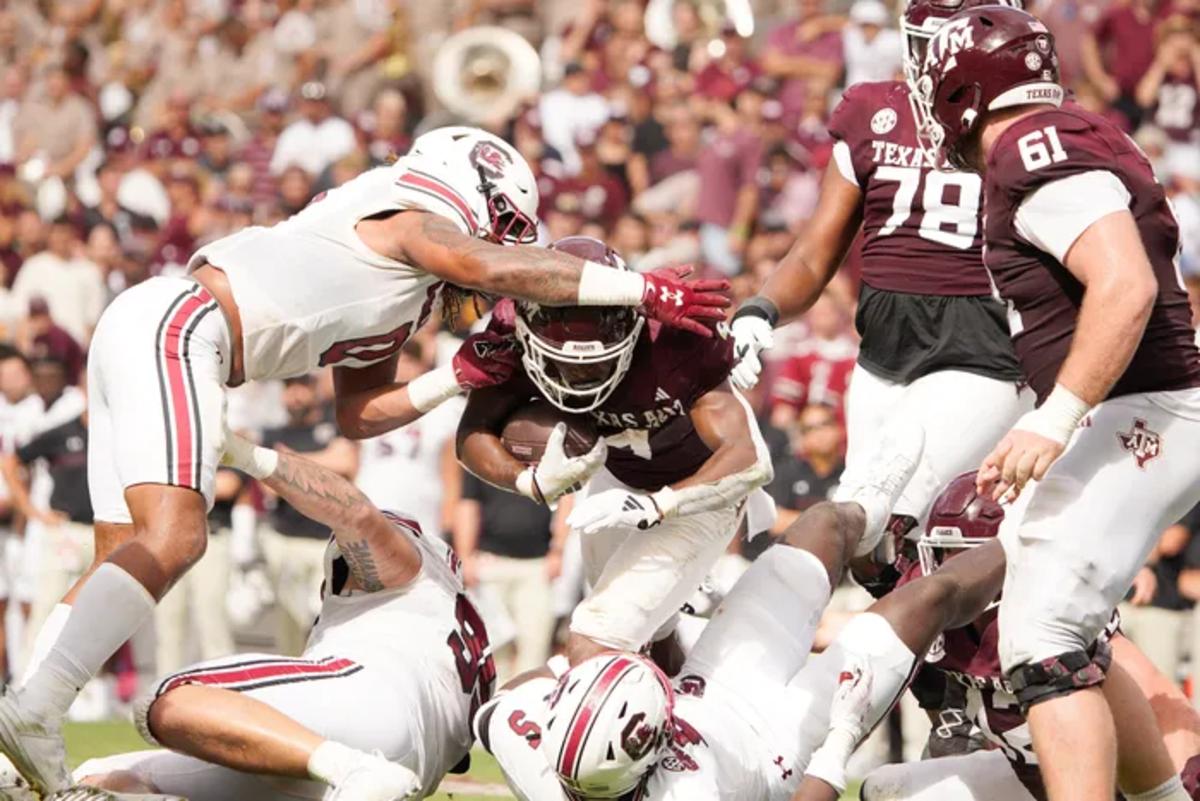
(921, 20)
(960, 518)
(577, 355)
(980, 60)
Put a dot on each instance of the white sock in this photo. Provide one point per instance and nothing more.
(1170, 790)
(110, 608)
(46, 637)
(331, 762)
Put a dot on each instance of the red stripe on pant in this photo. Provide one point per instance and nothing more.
(185, 467)
(298, 669)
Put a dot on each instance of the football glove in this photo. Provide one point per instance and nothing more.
(694, 305)
(614, 508)
(557, 473)
(751, 335)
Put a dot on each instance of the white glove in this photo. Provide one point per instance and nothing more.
(751, 335)
(613, 508)
(849, 722)
(558, 474)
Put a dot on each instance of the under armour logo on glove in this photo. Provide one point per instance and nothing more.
(693, 305)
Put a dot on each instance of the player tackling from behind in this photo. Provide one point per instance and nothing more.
(378, 706)
(1080, 242)
(341, 284)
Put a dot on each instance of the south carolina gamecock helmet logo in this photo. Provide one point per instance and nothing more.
(490, 159)
(638, 737)
(1143, 443)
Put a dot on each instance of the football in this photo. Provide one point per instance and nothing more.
(527, 429)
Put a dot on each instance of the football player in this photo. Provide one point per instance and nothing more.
(343, 283)
(748, 712)
(935, 346)
(363, 714)
(666, 484)
(964, 665)
(1080, 242)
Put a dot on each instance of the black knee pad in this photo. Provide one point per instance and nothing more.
(1060, 675)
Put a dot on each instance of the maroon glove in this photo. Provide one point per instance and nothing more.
(485, 359)
(691, 305)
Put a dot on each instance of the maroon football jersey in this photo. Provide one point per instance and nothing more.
(921, 231)
(651, 439)
(1044, 147)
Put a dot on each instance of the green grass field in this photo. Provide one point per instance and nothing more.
(87, 740)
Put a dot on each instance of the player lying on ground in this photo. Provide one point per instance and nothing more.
(748, 708)
(1082, 244)
(378, 707)
(666, 486)
(964, 689)
(343, 283)
(935, 346)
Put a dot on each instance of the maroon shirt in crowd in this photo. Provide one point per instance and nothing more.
(1177, 108)
(825, 47)
(1127, 43)
(909, 246)
(1044, 293)
(726, 164)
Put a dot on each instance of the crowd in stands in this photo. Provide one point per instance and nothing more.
(134, 131)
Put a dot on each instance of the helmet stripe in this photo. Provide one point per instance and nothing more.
(581, 723)
(442, 190)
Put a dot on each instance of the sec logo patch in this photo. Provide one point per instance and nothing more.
(883, 121)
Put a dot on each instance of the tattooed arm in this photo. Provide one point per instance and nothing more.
(379, 556)
(437, 245)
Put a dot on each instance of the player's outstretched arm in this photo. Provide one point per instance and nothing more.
(545, 276)
(801, 275)
(379, 558)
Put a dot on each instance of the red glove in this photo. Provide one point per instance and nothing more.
(691, 305)
(485, 359)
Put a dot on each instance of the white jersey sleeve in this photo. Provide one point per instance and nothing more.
(509, 727)
(1056, 214)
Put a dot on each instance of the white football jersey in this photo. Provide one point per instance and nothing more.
(402, 468)
(426, 634)
(311, 294)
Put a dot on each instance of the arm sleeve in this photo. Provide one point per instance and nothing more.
(1055, 214)
(39, 447)
(844, 159)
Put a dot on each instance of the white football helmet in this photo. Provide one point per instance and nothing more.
(578, 355)
(610, 718)
(488, 174)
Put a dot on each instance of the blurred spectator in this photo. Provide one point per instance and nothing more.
(48, 340)
(110, 211)
(871, 43)
(819, 371)
(602, 196)
(175, 137)
(256, 154)
(63, 550)
(317, 139)
(808, 49)
(190, 620)
(293, 544)
(1071, 21)
(1167, 93)
(1156, 613)
(216, 148)
(571, 111)
(54, 131)
(385, 127)
(71, 285)
(809, 472)
(728, 197)
(413, 470)
(731, 71)
(1119, 50)
(511, 549)
(355, 40)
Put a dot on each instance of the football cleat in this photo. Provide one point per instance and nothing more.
(377, 779)
(877, 488)
(35, 747)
